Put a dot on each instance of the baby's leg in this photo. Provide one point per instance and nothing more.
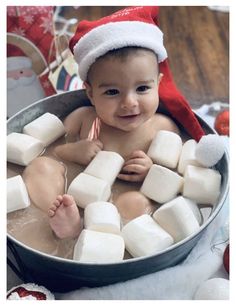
(64, 217)
(45, 180)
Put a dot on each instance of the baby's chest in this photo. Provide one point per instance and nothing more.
(126, 145)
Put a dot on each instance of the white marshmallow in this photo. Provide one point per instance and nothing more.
(106, 165)
(87, 189)
(97, 247)
(22, 149)
(165, 149)
(102, 216)
(143, 236)
(195, 209)
(201, 184)
(213, 289)
(161, 184)
(17, 194)
(177, 218)
(46, 128)
(187, 156)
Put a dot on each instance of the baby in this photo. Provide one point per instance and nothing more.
(122, 86)
(118, 59)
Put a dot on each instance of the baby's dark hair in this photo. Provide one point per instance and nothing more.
(123, 53)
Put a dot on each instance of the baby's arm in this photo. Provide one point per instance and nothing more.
(77, 150)
(81, 151)
(136, 167)
(73, 122)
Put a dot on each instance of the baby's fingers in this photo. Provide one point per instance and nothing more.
(138, 161)
(130, 177)
(133, 168)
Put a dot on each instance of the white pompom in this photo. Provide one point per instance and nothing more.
(209, 150)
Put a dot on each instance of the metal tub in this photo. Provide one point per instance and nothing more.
(62, 275)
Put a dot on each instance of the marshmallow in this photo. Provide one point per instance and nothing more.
(97, 247)
(143, 236)
(87, 189)
(22, 149)
(165, 149)
(213, 289)
(106, 165)
(102, 217)
(161, 184)
(177, 218)
(17, 195)
(195, 209)
(187, 156)
(201, 184)
(46, 128)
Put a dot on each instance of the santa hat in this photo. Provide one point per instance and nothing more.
(16, 58)
(137, 26)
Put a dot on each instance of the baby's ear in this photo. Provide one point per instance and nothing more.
(89, 91)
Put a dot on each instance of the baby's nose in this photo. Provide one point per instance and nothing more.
(129, 101)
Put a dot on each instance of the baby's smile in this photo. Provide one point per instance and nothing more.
(129, 116)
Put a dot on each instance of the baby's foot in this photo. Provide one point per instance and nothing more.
(64, 217)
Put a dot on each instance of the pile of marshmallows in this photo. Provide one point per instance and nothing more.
(104, 238)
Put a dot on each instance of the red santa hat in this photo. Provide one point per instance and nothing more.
(136, 26)
(16, 58)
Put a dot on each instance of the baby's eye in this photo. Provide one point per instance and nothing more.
(111, 92)
(143, 88)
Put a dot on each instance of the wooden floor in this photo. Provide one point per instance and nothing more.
(197, 42)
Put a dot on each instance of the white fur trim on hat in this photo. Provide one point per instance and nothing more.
(18, 62)
(115, 35)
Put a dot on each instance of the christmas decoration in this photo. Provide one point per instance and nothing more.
(34, 23)
(23, 86)
(31, 29)
(222, 123)
(226, 258)
(65, 77)
(29, 291)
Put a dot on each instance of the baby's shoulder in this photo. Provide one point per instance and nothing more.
(163, 122)
(81, 114)
(78, 118)
(85, 111)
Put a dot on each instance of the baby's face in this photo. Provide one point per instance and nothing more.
(125, 91)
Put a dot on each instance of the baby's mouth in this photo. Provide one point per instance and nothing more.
(130, 116)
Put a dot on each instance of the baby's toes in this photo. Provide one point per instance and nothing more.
(68, 200)
(52, 211)
(56, 203)
(59, 198)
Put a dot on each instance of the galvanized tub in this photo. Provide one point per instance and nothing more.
(62, 275)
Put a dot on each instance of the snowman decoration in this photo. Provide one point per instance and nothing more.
(23, 86)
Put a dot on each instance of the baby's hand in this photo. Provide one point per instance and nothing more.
(136, 167)
(81, 152)
(88, 150)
